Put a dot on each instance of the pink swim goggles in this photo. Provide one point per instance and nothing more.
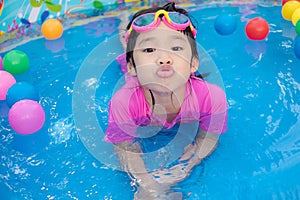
(150, 21)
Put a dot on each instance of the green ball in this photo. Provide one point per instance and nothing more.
(298, 27)
(15, 62)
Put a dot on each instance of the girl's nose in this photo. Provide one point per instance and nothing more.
(164, 58)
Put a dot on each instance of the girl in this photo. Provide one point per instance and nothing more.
(161, 94)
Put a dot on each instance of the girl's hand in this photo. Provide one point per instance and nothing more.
(150, 183)
(189, 151)
(142, 194)
(171, 176)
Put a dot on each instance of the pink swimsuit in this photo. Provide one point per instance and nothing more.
(129, 109)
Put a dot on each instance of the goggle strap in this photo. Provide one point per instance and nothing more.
(165, 13)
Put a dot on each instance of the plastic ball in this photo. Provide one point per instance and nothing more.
(1, 65)
(298, 27)
(52, 29)
(296, 16)
(288, 9)
(257, 29)
(26, 117)
(6, 81)
(16, 62)
(20, 91)
(284, 1)
(225, 24)
(297, 48)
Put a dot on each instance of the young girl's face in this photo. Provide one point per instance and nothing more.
(163, 59)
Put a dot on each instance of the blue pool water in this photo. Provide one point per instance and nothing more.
(257, 158)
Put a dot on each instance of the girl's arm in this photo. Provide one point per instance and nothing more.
(133, 164)
(205, 143)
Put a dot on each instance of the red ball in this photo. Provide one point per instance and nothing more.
(284, 1)
(257, 29)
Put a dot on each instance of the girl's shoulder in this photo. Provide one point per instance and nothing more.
(199, 83)
(200, 86)
(129, 95)
(130, 87)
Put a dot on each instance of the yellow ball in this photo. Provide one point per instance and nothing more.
(52, 29)
(288, 9)
(296, 16)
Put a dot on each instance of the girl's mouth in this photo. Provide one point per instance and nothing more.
(165, 71)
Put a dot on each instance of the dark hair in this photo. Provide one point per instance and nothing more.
(170, 7)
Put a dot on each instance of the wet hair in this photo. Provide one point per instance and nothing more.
(169, 7)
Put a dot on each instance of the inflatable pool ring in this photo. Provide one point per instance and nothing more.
(1, 6)
(93, 68)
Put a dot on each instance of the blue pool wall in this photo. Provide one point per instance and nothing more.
(20, 20)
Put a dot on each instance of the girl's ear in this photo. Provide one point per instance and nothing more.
(130, 68)
(194, 64)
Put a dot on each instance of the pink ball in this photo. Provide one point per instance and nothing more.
(26, 117)
(1, 63)
(6, 81)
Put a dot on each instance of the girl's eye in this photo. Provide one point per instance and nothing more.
(177, 48)
(149, 50)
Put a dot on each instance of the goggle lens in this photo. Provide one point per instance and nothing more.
(178, 18)
(144, 20)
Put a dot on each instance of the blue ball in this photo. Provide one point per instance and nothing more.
(225, 24)
(20, 91)
(297, 48)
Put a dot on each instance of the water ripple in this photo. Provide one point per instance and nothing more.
(62, 130)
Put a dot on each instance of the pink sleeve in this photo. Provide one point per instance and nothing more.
(213, 116)
(121, 127)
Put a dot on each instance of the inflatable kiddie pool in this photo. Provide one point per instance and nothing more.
(77, 73)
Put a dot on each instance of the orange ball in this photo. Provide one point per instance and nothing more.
(52, 29)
